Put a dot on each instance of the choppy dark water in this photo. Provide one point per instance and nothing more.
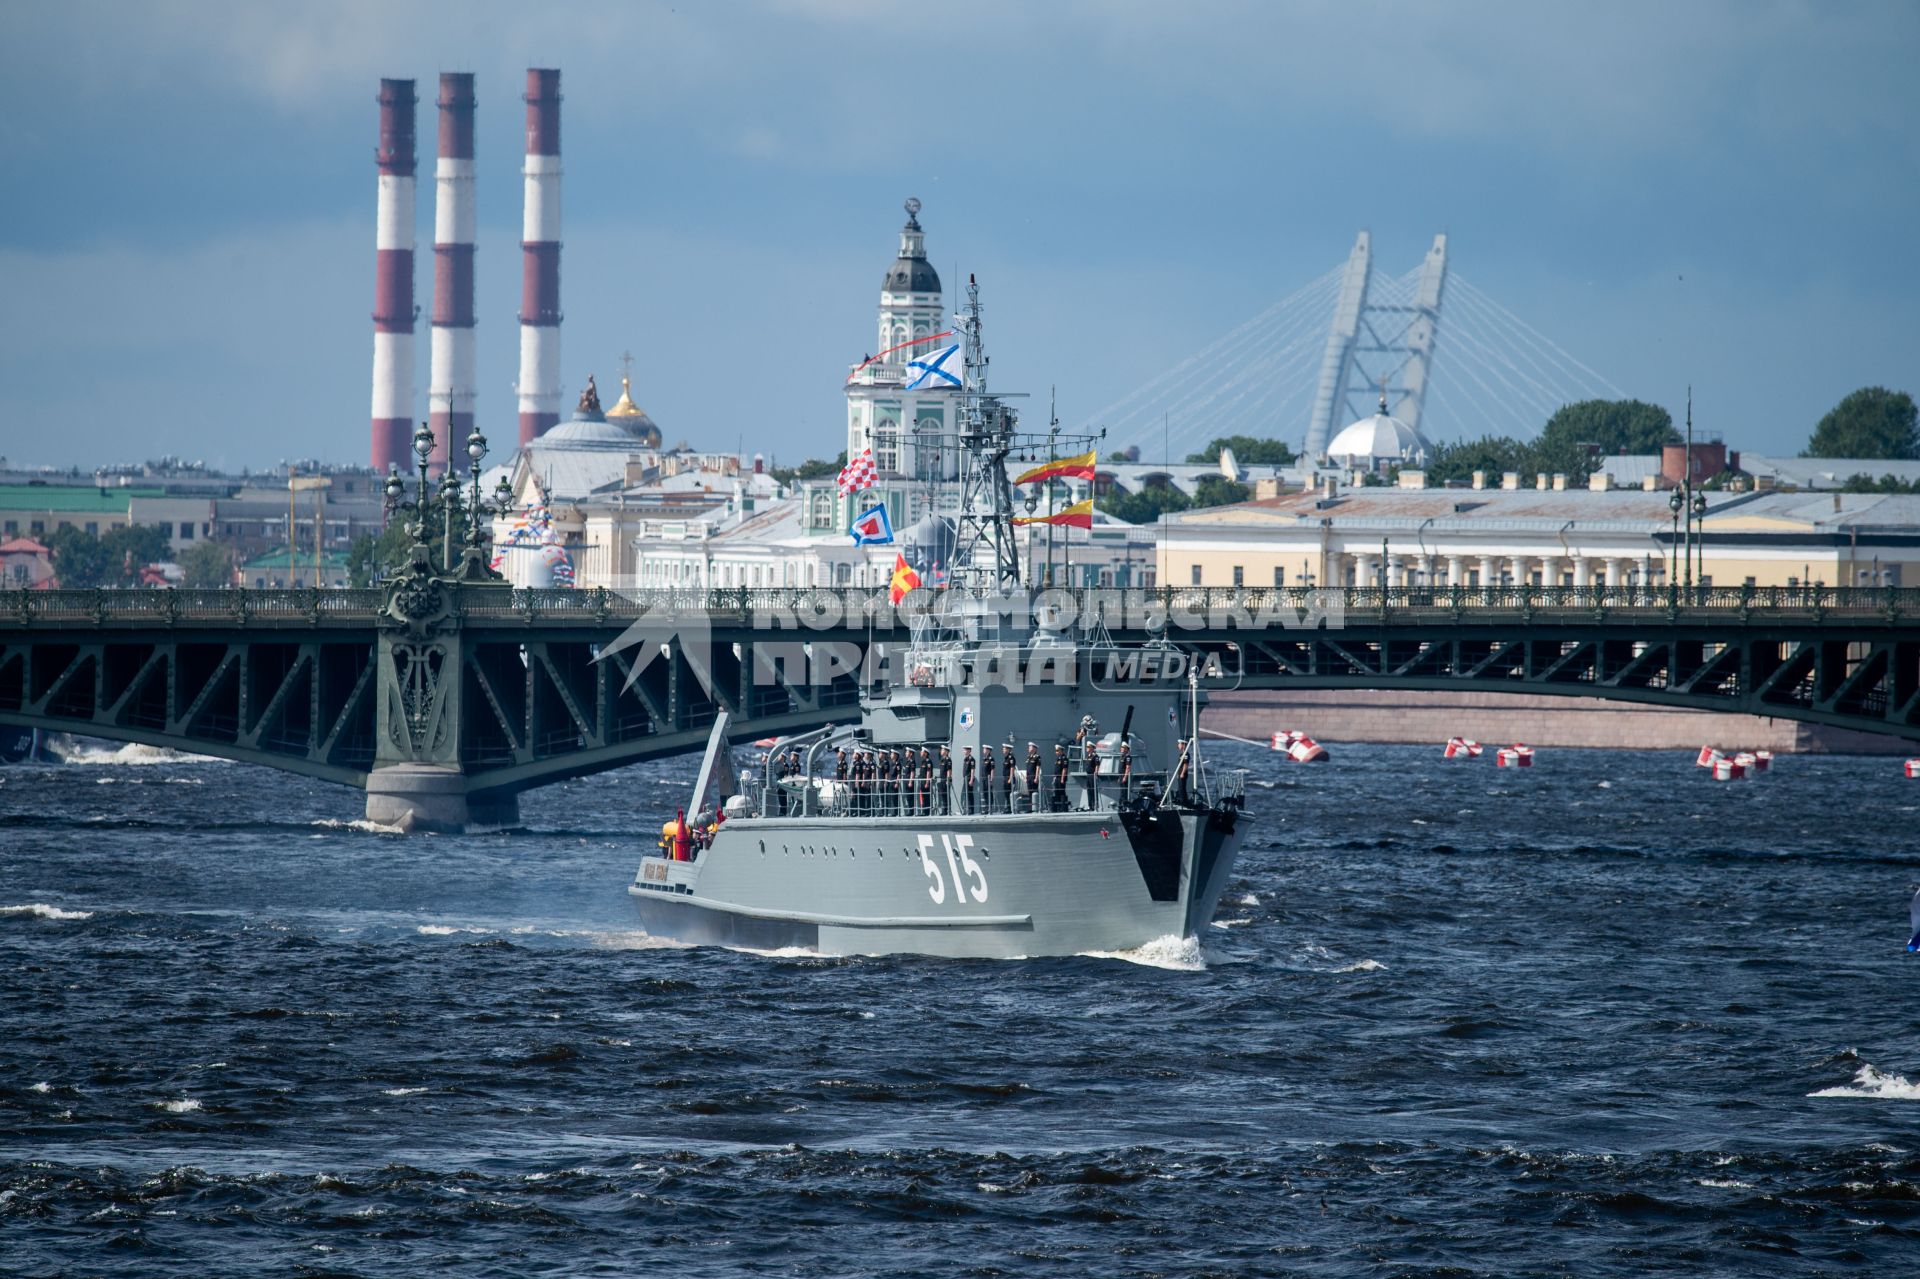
(1601, 1018)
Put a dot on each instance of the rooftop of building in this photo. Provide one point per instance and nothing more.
(87, 499)
(1481, 508)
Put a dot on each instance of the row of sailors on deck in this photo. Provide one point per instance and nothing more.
(904, 782)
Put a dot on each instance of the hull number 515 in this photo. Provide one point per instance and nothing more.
(967, 875)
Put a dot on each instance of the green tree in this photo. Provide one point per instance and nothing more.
(1872, 422)
(392, 551)
(207, 564)
(1146, 506)
(1493, 454)
(1218, 490)
(79, 561)
(811, 469)
(114, 558)
(1861, 482)
(1247, 449)
(361, 560)
(1577, 436)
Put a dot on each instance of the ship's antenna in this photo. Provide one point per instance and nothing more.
(985, 520)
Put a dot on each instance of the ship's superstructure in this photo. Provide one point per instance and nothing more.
(1016, 784)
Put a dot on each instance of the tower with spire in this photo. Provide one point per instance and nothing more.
(910, 431)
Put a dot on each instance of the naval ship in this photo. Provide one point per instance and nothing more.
(1029, 788)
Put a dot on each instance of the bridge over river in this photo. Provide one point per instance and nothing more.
(444, 700)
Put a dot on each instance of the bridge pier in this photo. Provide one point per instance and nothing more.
(422, 798)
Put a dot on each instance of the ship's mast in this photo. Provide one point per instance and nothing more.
(985, 557)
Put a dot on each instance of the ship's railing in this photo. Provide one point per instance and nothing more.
(780, 606)
(800, 796)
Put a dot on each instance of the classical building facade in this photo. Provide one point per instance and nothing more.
(1620, 538)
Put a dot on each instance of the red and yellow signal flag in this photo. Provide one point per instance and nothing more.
(1066, 468)
(904, 580)
(1079, 515)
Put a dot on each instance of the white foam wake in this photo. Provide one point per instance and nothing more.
(1868, 1082)
(69, 751)
(181, 1106)
(1180, 954)
(360, 824)
(41, 910)
(1363, 966)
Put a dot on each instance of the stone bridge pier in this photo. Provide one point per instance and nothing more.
(419, 781)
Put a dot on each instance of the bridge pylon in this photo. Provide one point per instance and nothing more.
(418, 782)
(1379, 344)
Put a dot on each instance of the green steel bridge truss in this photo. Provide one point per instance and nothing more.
(509, 686)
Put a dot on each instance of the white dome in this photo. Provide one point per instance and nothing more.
(1379, 438)
(583, 432)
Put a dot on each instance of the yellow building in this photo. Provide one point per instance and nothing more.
(1556, 537)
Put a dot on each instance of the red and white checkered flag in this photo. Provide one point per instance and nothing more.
(858, 474)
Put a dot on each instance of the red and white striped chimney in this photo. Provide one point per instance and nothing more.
(450, 383)
(540, 259)
(393, 281)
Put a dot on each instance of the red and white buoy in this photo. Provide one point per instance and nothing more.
(1305, 750)
(1709, 756)
(1913, 768)
(1762, 761)
(393, 282)
(540, 259)
(1515, 756)
(1463, 748)
(451, 375)
(1726, 770)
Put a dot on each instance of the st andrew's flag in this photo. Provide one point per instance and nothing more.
(935, 369)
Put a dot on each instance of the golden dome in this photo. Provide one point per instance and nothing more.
(626, 407)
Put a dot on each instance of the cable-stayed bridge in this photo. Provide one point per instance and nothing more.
(1451, 360)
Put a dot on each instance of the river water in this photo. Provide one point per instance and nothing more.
(1601, 1017)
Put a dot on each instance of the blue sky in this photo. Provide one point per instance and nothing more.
(1725, 194)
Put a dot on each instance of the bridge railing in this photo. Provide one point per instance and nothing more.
(188, 604)
(1313, 606)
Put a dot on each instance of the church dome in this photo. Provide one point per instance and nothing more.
(633, 419)
(911, 272)
(1379, 438)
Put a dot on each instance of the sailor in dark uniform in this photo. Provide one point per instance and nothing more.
(944, 796)
(1059, 778)
(986, 779)
(966, 776)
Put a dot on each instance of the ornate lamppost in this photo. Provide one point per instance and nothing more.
(1675, 502)
(420, 560)
(474, 512)
(1699, 514)
(480, 511)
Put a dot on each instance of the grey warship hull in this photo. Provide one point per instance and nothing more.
(998, 887)
(1107, 832)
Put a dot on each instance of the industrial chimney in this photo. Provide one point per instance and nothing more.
(540, 259)
(393, 280)
(450, 384)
